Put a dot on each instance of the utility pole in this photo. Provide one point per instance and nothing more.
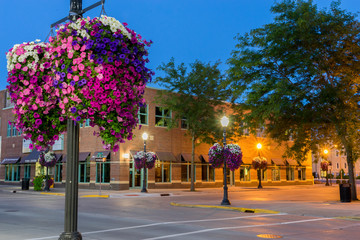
(72, 163)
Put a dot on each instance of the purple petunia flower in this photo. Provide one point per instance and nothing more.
(63, 74)
(110, 59)
(103, 52)
(73, 109)
(63, 66)
(60, 86)
(127, 60)
(78, 118)
(92, 56)
(122, 56)
(74, 33)
(72, 83)
(99, 60)
(38, 121)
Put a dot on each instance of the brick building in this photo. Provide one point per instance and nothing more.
(172, 147)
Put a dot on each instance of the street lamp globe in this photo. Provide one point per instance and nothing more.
(145, 136)
(259, 146)
(326, 151)
(224, 121)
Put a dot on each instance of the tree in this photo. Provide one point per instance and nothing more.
(299, 77)
(196, 97)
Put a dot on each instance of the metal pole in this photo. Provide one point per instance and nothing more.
(71, 190)
(225, 200)
(47, 187)
(144, 169)
(259, 172)
(100, 176)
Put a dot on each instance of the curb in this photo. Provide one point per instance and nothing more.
(54, 194)
(246, 210)
(95, 196)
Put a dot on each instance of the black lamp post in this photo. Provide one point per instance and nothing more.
(144, 137)
(224, 123)
(259, 146)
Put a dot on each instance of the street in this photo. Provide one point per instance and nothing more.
(299, 212)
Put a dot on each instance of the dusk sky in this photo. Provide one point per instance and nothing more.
(184, 29)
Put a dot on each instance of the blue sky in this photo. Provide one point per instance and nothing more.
(184, 29)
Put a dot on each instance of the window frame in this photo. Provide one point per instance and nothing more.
(163, 118)
(146, 114)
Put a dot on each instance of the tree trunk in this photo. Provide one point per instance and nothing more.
(351, 177)
(192, 188)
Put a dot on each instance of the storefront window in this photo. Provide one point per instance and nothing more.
(162, 117)
(27, 170)
(207, 173)
(143, 115)
(103, 172)
(245, 173)
(12, 172)
(186, 172)
(162, 171)
(275, 174)
(302, 173)
(84, 172)
(290, 173)
(58, 172)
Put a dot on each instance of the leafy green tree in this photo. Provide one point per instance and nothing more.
(299, 77)
(195, 96)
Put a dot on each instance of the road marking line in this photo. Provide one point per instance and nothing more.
(238, 227)
(94, 196)
(55, 194)
(167, 223)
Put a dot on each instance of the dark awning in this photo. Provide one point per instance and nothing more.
(82, 157)
(292, 162)
(278, 161)
(187, 157)
(32, 157)
(103, 154)
(166, 156)
(10, 160)
(58, 157)
(205, 157)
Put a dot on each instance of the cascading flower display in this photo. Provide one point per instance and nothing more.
(144, 159)
(259, 163)
(35, 104)
(231, 154)
(92, 69)
(324, 165)
(47, 159)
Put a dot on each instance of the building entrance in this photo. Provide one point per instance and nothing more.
(136, 176)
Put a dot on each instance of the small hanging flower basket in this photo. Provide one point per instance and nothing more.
(324, 165)
(47, 159)
(143, 159)
(231, 154)
(259, 163)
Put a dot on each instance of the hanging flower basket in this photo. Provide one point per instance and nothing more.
(93, 69)
(143, 159)
(47, 159)
(324, 165)
(259, 163)
(231, 154)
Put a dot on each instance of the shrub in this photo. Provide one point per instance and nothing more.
(38, 180)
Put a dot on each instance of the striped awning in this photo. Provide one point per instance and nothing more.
(10, 160)
(166, 156)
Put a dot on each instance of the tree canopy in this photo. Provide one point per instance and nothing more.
(299, 77)
(195, 97)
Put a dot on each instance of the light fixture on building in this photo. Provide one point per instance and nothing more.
(259, 146)
(126, 155)
(224, 121)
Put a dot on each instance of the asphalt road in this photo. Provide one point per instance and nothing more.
(304, 213)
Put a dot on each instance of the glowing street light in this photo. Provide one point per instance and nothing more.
(224, 122)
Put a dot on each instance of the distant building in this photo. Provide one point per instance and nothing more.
(338, 163)
(172, 147)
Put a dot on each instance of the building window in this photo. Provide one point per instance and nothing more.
(12, 172)
(14, 131)
(207, 173)
(263, 175)
(290, 173)
(337, 153)
(143, 115)
(58, 172)
(260, 132)
(8, 133)
(184, 123)
(103, 172)
(186, 172)
(162, 117)
(245, 173)
(302, 173)
(275, 174)
(27, 170)
(162, 171)
(345, 165)
(84, 172)
(337, 165)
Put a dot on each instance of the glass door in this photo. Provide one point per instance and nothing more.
(135, 176)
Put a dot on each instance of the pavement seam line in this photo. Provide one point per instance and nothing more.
(254, 210)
